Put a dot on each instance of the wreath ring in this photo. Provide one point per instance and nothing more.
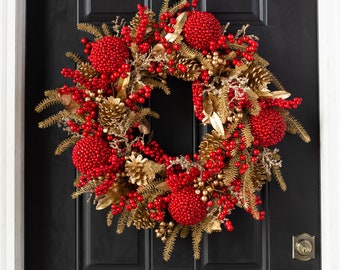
(106, 117)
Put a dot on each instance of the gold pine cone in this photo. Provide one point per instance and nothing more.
(258, 77)
(112, 111)
(139, 170)
(87, 70)
(210, 142)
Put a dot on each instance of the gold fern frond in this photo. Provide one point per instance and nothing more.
(276, 82)
(246, 132)
(52, 120)
(170, 242)
(109, 218)
(121, 224)
(106, 30)
(176, 7)
(293, 126)
(185, 231)
(278, 176)
(75, 57)
(249, 196)
(65, 144)
(164, 7)
(91, 29)
(261, 61)
(52, 98)
(197, 233)
(88, 188)
(157, 84)
(255, 108)
(230, 172)
(192, 54)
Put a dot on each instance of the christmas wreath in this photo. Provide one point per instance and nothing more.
(106, 115)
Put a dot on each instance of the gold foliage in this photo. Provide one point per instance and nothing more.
(65, 144)
(75, 57)
(52, 98)
(231, 172)
(91, 29)
(197, 233)
(176, 7)
(158, 84)
(293, 126)
(170, 242)
(278, 176)
(246, 132)
(106, 30)
(210, 142)
(59, 118)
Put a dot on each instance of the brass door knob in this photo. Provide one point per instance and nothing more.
(303, 247)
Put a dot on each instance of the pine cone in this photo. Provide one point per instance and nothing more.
(111, 113)
(87, 70)
(258, 77)
(140, 170)
(210, 142)
(193, 68)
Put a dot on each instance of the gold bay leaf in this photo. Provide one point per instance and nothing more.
(281, 94)
(180, 21)
(216, 123)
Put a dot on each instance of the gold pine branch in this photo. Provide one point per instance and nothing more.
(278, 176)
(230, 172)
(52, 98)
(88, 188)
(52, 120)
(106, 30)
(91, 29)
(276, 82)
(176, 7)
(293, 126)
(164, 7)
(185, 231)
(109, 218)
(75, 57)
(170, 242)
(246, 132)
(65, 144)
(154, 83)
(197, 233)
(122, 222)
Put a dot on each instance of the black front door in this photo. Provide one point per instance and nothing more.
(61, 233)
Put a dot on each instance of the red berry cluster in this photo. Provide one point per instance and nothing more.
(157, 208)
(90, 153)
(138, 97)
(108, 54)
(268, 127)
(177, 178)
(200, 29)
(186, 207)
(104, 186)
(281, 103)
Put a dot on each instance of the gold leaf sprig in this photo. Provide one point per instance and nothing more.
(91, 29)
(52, 98)
(293, 126)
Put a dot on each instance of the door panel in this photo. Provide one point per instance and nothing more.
(62, 233)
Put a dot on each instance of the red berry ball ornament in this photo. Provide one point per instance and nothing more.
(186, 207)
(108, 54)
(268, 127)
(90, 153)
(200, 29)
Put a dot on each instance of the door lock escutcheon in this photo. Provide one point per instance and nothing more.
(303, 247)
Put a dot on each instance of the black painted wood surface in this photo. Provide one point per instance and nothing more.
(62, 233)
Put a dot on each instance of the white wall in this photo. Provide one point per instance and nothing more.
(12, 18)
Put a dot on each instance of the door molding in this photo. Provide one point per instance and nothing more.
(329, 91)
(12, 78)
(12, 65)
